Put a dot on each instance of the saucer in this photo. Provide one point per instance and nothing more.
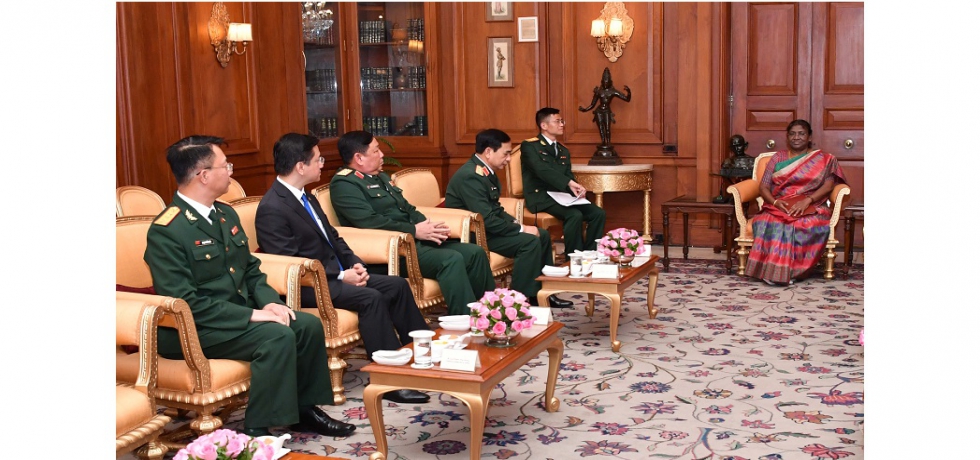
(282, 453)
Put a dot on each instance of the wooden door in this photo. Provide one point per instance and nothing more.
(771, 71)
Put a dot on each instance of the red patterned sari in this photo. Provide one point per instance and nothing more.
(787, 247)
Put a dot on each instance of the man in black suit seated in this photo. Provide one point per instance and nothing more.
(289, 221)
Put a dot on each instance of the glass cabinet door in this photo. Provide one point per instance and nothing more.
(321, 37)
(391, 47)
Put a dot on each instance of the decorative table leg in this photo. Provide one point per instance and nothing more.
(591, 306)
(372, 405)
(685, 236)
(652, 292)
(616, 301)
(555, 352)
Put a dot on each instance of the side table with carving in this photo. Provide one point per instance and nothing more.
(619, 178)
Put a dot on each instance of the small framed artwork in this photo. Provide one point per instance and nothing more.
(527, 29)
(500, 62)
(500, 11)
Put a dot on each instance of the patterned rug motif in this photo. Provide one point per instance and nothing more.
(731, 368)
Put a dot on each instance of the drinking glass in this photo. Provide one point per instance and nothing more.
(422, 342)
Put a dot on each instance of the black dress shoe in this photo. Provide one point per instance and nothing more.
(555, 302)
(256, 432)
(316, 420)
(406, 397)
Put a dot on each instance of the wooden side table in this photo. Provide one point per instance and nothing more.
(686, 205)
(851, 213)
(620, 178)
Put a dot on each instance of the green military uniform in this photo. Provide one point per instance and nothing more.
(365, 201)
(546, 169)
(475, 188)
(210, 267)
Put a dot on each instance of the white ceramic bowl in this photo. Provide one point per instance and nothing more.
(392, 357)
(455, 319)
(455, 325)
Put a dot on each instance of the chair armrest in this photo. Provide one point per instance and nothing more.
(284, 275)
(136, 324)
(743, 192)
(838, 200)
(376, 246)
(177, 315)
(462, 224)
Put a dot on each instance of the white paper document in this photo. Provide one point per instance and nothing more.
(567, 199)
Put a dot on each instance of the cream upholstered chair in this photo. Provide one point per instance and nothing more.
(133, 200)
(426, 291)
(137, 424)
(235, 191)
(748, 190)
(340, 331)
(515, 186)
(194, 383)
(421, 188)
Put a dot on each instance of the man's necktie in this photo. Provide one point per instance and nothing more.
(309, 209)
(213, 217)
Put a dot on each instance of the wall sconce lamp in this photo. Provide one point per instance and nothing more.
(225, 35)
(612, 30)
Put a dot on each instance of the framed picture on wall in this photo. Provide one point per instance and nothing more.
(500, 62)
(500, 11)
(527, 29)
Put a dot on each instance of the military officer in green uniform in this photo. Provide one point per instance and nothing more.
(197, 251)
(475, 187)
(363, 196)
(547, 166)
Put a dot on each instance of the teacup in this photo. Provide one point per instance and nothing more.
(273, 441)
(437, 347)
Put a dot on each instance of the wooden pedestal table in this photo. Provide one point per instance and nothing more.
(473, 388)
(686, 205)
(619, 178)
(610, 288)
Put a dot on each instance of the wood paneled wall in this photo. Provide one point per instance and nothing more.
(677, 63)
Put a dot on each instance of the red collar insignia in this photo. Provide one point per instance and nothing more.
(234, 230)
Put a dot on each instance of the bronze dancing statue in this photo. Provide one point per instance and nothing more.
(603, 117)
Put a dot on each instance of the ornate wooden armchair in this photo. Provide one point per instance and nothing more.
(515, 186)
(133, 200)
(137, 424)
(426, 291)
(421, 188)
(340, 331)
(195, 383)
(748, 190)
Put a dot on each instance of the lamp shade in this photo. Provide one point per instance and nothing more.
(616, 27)
(240, 32)
(598, 28)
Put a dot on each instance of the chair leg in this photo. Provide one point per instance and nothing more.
(829, 258)
(743, 259)
(153, 450)
(337, 366)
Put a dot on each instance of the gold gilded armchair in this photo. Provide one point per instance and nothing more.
(133, 200)
(137, 424)
(195, 383)
(340, 327)
(515, 186)
(748, 190)
(421, 188)
(364, 243)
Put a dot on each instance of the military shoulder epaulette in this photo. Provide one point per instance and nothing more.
(531, 139)
(168, 216)
(480, 171)
(344, 172)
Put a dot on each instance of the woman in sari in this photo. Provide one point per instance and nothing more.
(792, 227)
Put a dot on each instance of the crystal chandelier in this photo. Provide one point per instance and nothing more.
(317, 23)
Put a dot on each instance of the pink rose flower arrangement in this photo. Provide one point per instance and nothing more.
(225, 445)
(502, 311)
(621, 242)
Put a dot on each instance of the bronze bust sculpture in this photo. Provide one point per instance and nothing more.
(735, 167)
(603, 117)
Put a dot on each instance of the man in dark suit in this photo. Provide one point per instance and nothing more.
(290, 222)
(475, 187)
(365, 197)
(547, 166)
(197, 251)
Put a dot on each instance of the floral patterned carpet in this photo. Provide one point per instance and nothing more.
(731, 368)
